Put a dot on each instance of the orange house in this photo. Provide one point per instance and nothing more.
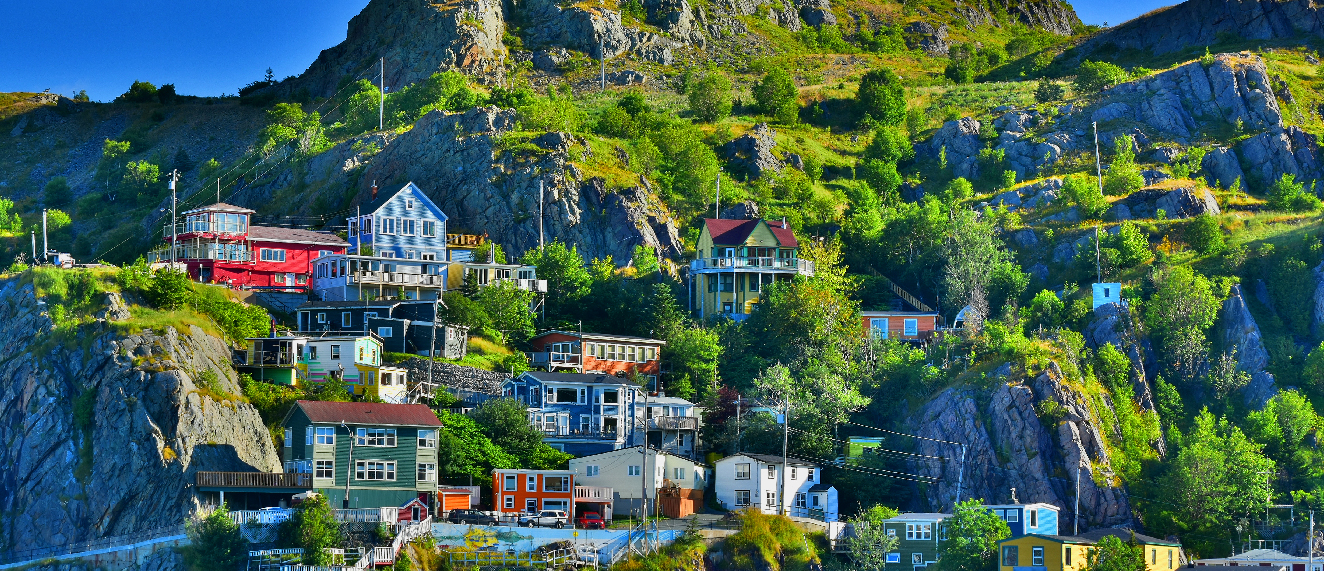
(900, 325)
(596, 353)
(526, 491)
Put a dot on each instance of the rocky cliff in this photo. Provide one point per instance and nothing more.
(1014, 440)
(104, 430)
(1197, 23)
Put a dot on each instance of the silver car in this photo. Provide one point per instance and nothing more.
(546, 518)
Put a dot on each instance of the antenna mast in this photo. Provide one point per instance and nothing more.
(381, 107)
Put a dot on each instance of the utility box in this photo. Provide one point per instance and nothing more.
(1107, 293)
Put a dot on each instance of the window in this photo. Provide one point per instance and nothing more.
(742, 497)
(409, 204)
(379, 437)
(335, 351)
(919, 531)
(1011, 556)
(321, 318)
(891, 532)
(384, 331)
(878, 328)
(510, 484)
(893, 557)
(1013, 515)
(272, 255)
(430, 228)
(678, 474)
(630, 353)
(592, 470)
(817, 498)
(531, 505)
(326, 435)
(1169, 559)
(556, 483)
(408, 227)
(1037, 556)
(911, 327)
(308, 435)
(916, 558)
(531, 483)
(428, 256)
(312, 352)
(652, 353)
(742, 471)
(635, 470)
(374, 470)
(772, 472)
(770, 499)
(427, 472)
(1153, 557)
(510, 502)
(793, 473)
(426, 438)
(1033, 517)
(1066, 556)
(324, 469)
(800, 500)
(289, 437)
(810, 476)
(346, 319)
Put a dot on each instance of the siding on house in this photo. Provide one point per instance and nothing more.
(384, 221)
(623, 471)
(1044, 553)
(900, 325)
(531, 486)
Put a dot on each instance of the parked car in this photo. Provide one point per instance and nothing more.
(591, 520)
(474, 517)
(546, 518)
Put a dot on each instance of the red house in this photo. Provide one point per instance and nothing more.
(218, 245)
(596, 353)
(919, 326)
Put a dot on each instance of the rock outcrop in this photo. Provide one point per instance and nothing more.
(1112, 326)
(1184, 202)
(927, 37)
(1277, 152)
(105, 431)
(1197, 23)
(1241, 334)
(752, 154)
(595, 32)
(1011, 443)
(959, 141)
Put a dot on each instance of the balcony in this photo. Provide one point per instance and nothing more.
(208, 229)
(566, 432)
(397, 278)
(795, 265)
(553, 359)
(594, 494)
(254, 480)
(673, 423)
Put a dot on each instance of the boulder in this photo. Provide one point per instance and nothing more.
(675, 17)
(1009, 198)
(1042, 193)
(1153, 177)
(925, 36)
(1013, 121)
(116, 309)
(1222, 168)
(555, 141)
(795, 161)
(747, 210)
(1065, 252)
(550, 59)
(912, 192)
(752, 153)
(1112, 326)
(1317, 313)
(1187, 203)
(626, 77)
(1025, 156)
(1025, 238)
(1110, 112)
(1165, 155)
(1039, 273)
(816, 13)
(1242, 335)
(1272, 154)
(960, 140)
(1118, 212)
(1068, 215)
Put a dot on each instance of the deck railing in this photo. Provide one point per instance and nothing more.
(397, 278)
(593, 493)
(753, 263)
(673, 423)
(254, 480)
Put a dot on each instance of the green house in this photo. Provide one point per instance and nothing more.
(388, 452)
(918, 537)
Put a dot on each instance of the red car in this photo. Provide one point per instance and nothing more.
(591, 520)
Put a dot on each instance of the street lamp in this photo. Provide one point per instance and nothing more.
(349, 466)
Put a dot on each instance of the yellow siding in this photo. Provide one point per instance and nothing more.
(1054, 557)
(1156, 557)
(704, 247)
(762, 236)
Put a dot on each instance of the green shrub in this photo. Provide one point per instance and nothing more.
(140, 92)
(1204, 234)
(1048, 91)
(553, 112)
(1132, 245)
(170, 289)
(1092, 77)
(882, 97)
(1287, 195)
(710, 97)
(890, 145)
(776, 93)
(1084, 193)
(56, 192)
(1123, 176)
(216, 543)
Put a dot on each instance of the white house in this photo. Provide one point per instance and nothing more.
(678, 481)
(754, 481)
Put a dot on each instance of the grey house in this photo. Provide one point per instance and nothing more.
(402, 326)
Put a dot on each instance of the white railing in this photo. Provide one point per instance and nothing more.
(729, 263)
(369, 515)
(396, 278)
(594, 493)
(242, 517)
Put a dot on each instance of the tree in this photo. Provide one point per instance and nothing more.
(890, 144)
(509, 308)
(1112, 554)
(1082, 192)
(56, 192)
(1046, 309)
(973, 534)
(166, 94)
(170, 289)
(140, 92)
(57, 219)
(215, 542)
(1048, 91)
(1180, 311)
(710, 99)
(1287, 195)
(460, 310)
(1132, 244)
(884, 179)
(882, 96)
(1218, 474)
(644, 260)
(666, 319)
(693, 353)
(973, 252)
(506, 422)
(312, 528)
(464, 449)
(776, 95)
(1093, 77)
(1204, 234)
(870, 544)
(1123, 175)
(567, 279)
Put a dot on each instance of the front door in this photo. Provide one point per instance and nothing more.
(414, 515)
(289, 279)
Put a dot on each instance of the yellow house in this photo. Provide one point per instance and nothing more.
(1044, 553)
(1160, 554)
(734, 260)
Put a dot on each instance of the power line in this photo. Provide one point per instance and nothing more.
(901, 433)
(877, 449)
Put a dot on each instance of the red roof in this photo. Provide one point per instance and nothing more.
(734, 232)
(369, 413)
(294, 236)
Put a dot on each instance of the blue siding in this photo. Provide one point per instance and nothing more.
(397, 207)
(1047, 522)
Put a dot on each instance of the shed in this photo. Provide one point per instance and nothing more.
(414, 510)
(454, 499)
(1106, 293)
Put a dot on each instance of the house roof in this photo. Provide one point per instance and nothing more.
(734, 232)
(294, 236)
(919, 516)
(772, 459)
(1007, 506)
(620, 450)
(383, 197)
(886, 313)
(820, 487)
(1057, 538)
(601, 336)
(220, 207)
(1125, 535)
(369, 413)
(590, 378)
(1264, 555)
(663, 401)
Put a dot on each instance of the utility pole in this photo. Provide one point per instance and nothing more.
(717, 206)
(643, 478)
(1098, 164)
(960, 477)
(738, 427)
(786, 440)
(540, 216)
(381, 106)
(174, 229)
(1098, 259)
(349, 467)
(602, 59)
(358, 234)
(1310, 541)
(1075, 529)
(45, 247)
(34, 247)
(432, 351)
(218, 189)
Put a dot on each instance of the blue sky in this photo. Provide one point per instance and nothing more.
(213, 46)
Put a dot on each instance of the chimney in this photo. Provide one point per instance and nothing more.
(783, 222)
(491, 252)
(374, 190)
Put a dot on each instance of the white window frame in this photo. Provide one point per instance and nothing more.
(742, 471)
(335, 351)
(800, 500)
(1036, 556)
(911, 327)
(271, 254)
(321, 318)
(878, 327)
(916, 558)
(346, 319)
(409, 204)
(375, 437)
(364, 470)
(308, 435)
(509, 484)
(429, 225)
(324, 469)
(772, 471)
(770, 499)
(1033, 518)
(530, 483)
(427, 438)
(326, 436)
(509, 502)
(427, 472)
(592, 470)
(742, 498)
(289, 437)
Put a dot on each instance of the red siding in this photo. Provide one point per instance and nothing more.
(651, 367)
(926, 323)
(298, 261)
(521, 493)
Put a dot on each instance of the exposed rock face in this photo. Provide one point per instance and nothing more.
(747, 210)
(1176, 203)
(1287, 151)
(960, 140)
(417, 39)
(816, 13)
(1197, 23)
(594, 32)
(676, 17)
(1317, 315)
(1050, 15)
(752, 152)
(1008, 445)
(927, 37)
(1222, 168)
(1112, 326)
(1242, 334)
(149, 430)
(494, 192)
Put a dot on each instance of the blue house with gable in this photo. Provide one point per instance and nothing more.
(582, 414)
(404, 225)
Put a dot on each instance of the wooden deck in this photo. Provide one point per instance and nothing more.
(254, 480)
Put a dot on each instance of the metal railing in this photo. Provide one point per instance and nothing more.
(673, 423)
(254, 480)
(567, 431)
(371, 515)
(752, 263)
(553, 358)
(169, 533)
